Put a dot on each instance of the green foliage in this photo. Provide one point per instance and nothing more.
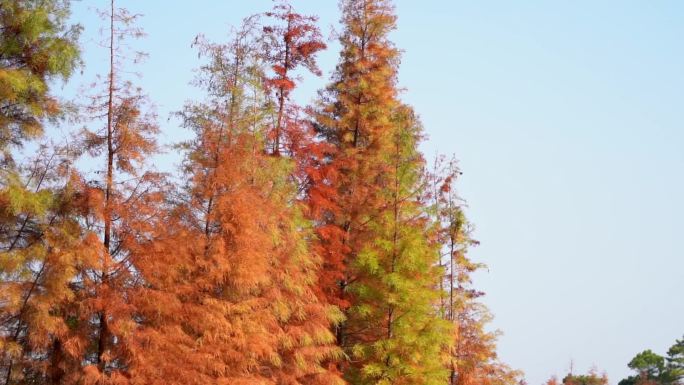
(675, 363)
(654, 368)
(37, 46)
(648, 363)
(397, 294)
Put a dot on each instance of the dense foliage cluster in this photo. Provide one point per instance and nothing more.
(305, 246)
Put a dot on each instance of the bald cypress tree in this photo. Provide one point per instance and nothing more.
(118, 140)
(231, 294)
(389, 285)
(473, 358)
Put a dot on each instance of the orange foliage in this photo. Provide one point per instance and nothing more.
(98, 347)
(291, 42)
(294, 253)
(230, 296)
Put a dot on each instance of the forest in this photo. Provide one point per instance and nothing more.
(294, 244)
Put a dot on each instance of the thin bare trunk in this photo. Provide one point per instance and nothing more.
(281, 92)
(103, 332)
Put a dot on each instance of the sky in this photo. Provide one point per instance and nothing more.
(567, 118)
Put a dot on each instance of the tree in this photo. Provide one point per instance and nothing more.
(386, 265)
(591, 378)
(473, 358)
(648, 364)
(292, 41)
(98, 348)
(235, 274)
(650, 368)
(675, 362)
(353, 116)
(37, 46)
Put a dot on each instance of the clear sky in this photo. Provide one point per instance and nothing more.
(568, 120)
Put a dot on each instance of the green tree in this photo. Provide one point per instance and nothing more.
(648, 364)
(675, 363)
(37, 46)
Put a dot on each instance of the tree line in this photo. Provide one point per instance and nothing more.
(294, 244)
(649, 369)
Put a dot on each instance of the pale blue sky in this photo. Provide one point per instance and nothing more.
(567, 117)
